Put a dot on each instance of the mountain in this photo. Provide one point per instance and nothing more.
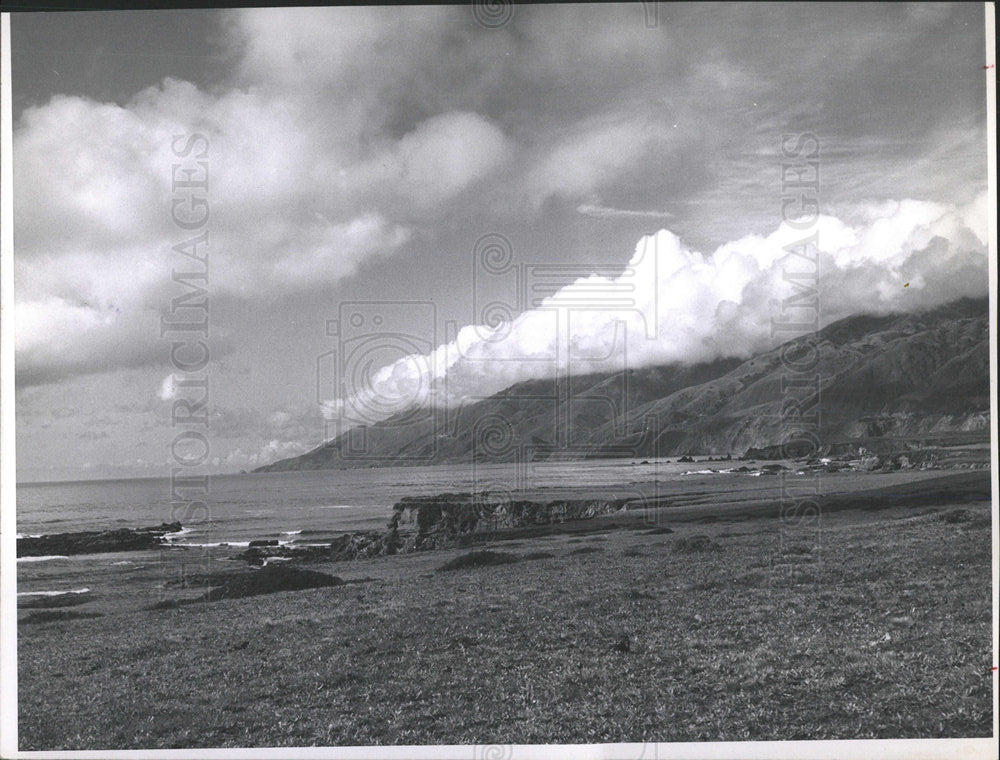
(899, 376)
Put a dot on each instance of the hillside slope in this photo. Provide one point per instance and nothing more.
(897, 376)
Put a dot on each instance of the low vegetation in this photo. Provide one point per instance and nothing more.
(876, 625)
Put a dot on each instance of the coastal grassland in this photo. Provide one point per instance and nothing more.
(875, 626)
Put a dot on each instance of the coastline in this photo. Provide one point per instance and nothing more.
(716, 604)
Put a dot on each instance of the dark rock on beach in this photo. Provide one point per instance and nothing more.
(96, 541)
(344, 547)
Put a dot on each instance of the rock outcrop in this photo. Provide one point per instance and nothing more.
(96, 541)
(445, 519)
(433, 522)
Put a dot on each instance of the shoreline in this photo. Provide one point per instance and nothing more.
(697, 623)
(447, 520)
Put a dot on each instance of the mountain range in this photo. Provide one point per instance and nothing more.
(861, 380)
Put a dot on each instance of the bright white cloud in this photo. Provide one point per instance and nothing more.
(685, 306)
(168, 389)
(342, 135)
(305, 183)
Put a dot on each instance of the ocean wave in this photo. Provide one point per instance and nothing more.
(336, 506)
(53, 593)
(214, 544)
(177, 534)
(291, 532)
(44, 558)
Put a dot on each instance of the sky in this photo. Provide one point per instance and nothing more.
(423, 205)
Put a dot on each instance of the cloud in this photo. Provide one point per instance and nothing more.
(606, 212)
(597, 153)
(673, 304)
(303, 188)
(168, 389)
(346, 136)
(439, 159)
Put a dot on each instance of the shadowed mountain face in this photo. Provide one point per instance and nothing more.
(897, 377)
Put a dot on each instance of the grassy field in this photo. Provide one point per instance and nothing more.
(871, 624)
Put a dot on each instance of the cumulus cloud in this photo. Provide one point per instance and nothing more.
(305, 183)
(340, 137)
(685, 306)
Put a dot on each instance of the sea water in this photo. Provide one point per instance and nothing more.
(294, 505)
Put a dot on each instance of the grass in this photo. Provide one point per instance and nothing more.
(873, 626)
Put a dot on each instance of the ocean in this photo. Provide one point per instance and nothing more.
(272, 505)
(291, 507)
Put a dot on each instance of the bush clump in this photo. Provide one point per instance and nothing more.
(48, 616)
(269, 579)
(48, 602)
(956, 516)
(696, 543)
(483, 558)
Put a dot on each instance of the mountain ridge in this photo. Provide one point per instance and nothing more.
(896, 375)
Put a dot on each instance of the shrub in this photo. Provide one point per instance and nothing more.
(268, 580)
(48, 616)
(956, 516)
(696, 543)
(482, 558)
